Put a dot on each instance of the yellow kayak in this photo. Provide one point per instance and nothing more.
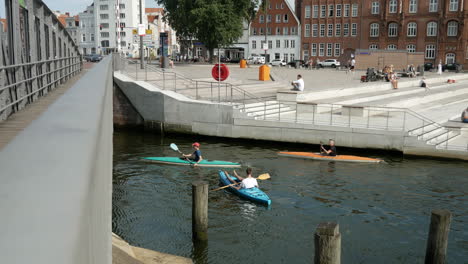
(318, 156)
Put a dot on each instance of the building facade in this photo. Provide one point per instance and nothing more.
(279, 31)
(87, 31)
(336, 28)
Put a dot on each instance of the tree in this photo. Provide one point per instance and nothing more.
(216, 23)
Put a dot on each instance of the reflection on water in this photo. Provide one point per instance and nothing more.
(383, 209)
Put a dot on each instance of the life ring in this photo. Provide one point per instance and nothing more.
(220, 72)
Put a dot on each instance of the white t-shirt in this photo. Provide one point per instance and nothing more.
(248, 183)
(300, 83)
(353, 62)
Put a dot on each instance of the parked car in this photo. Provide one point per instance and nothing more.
(234, 60)
(95, 58)
(224, 59)
(87, 57)
(257, 60)
(452, 67)
(329, 63)
(428, 66)
(278, 62)
(301, 63)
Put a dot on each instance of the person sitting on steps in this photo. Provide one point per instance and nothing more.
(464, 116)
(298, 85)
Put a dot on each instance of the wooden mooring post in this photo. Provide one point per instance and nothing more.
(200, 210)
(437, 241)
(327, 240)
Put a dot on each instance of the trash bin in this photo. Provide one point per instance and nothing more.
(243, 64)
(264, 73)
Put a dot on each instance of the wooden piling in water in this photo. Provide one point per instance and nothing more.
(327, 244)
(437, 240)
(200, 210)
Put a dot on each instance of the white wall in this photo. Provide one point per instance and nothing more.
(282, 50)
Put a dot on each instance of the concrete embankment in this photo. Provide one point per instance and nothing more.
(169, 111)
(124, 253)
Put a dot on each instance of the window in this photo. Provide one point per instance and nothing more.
(305, 55)
(293, 44)
(268, 31)
(346, 10)
(268, 18)
(432, 29)
(286, 43)
(346, 29)
(413, 6)
(373, 47)
(278, 18)
(330, 30)
(285, 18)
(322, 49)
(330, 10)
(83, 37)
(104, 34)
(337, 49)
(285, 57)
(254, 31)
(430, 51)
(315, 30)
(393, 6)
(338, 10)
(285, 31)
(412, 29)
(293, 31)
(277, 6)
(411, 48)
(353, 29)
(103, 7)
(122, 15)
(278, 43)
(92, 37)
(123, 33)
(323, 10)
(278, 31)
(254, 44)
(261, 31)
(282, 6)
(375, 8)
(450, 58)
(337, 30)
(453, 5)
(374, 30)
(392, 47)
(452, 29)
(262, 44)
(261, 19)
(291, 56)
(69, 24)
(322, 30)
(314, 49)
(329, 49)
(104, 16)
(307, 31)
(354, 11)
(393, 30)
(105, 25)
(433, 5)
(123, 43)
(122, 25)
(122, 6)
(315, 11)
(307, 11)
(270, 44)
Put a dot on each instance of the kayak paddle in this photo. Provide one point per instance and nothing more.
(175, 148)
(262, 177)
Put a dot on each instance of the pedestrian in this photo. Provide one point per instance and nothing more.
(393, 80)
(353, 64)
(439, 68)
(298, 85)
(464, 116)
(423, 84)
(317, 63)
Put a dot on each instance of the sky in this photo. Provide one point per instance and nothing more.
(72, 6)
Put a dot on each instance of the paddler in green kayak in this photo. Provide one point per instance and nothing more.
(246, 183)
(196, 155)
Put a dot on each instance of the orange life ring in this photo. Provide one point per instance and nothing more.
(220, 72)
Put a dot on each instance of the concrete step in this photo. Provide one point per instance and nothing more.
(263, 107)
(421, 130)
(441, 139)
(270, 111)
(428, 136)
(274, 115)
(253, 105)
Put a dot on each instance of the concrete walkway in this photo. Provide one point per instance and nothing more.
(18, 121)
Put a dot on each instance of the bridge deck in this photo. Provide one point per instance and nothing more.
(20, 120)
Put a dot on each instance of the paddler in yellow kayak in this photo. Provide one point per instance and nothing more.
(331, 151)
(196, 155)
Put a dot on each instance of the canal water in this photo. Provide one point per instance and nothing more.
(383, 209)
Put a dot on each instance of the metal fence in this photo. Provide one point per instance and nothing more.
(36, 55)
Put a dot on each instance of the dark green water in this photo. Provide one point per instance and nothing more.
(383, 210)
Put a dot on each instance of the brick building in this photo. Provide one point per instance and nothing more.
(282, 28)
(435, 27)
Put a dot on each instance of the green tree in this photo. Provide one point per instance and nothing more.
(216, 23)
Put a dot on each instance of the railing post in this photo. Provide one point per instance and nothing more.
(164, 80)
(146, 72)
(331, 115)
(196, 90)
(388, 116)
(437, 240)
(295, 114)
(404, 120)
(349, 117)
(211, 85)
(368, 117)
(136, 71)
(446, 142)
(313, 114)
(175, 82)
(264, 110)
(200, 210)
(279, 111)
(327, 240)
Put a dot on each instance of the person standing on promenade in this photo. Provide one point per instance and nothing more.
(439, 68)
(393, 80)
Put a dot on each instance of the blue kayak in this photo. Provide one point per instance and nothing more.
(252, 194)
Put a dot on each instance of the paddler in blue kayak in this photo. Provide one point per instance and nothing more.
(246, 183)
(196, 155)
(331, 151)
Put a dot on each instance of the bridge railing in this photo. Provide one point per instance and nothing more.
(36, 55)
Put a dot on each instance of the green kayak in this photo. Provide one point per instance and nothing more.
(185, 162)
